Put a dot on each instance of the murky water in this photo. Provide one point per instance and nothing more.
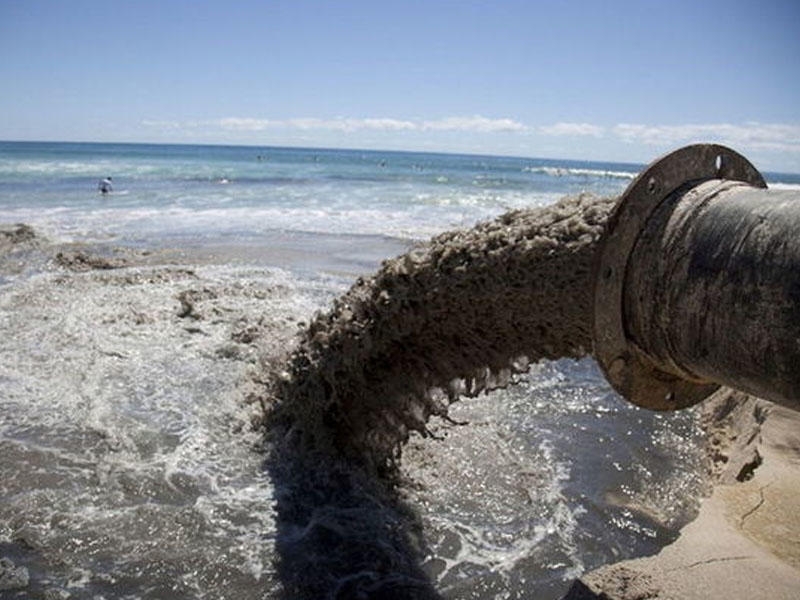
(131, 468)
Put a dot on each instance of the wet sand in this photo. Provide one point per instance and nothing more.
(745, 542)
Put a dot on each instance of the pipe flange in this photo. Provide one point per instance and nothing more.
(629, 370)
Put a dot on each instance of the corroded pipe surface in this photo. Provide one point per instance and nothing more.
(699, 284)
(713, 288)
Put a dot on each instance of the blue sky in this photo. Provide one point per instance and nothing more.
(604, 80)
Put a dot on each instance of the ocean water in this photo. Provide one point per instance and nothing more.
(129, 469)
(164, 192)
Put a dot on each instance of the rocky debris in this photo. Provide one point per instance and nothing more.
(11, 576)
(13, 235)
(732, 421)
(149, 276)
(247, 335)
(257, 332)
(18, 245)
(190, 299)
(628, 584)
(80, 261)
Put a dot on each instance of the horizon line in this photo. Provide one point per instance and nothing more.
(638, 165)
(325, 148)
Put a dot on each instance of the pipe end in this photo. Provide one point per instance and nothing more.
(629, 369)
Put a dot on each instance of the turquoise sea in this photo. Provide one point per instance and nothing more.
(124, 474)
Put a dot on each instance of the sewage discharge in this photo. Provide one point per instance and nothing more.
(689, 281)
(454, 317)
(670, 287)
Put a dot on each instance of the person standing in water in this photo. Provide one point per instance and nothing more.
(105, 186)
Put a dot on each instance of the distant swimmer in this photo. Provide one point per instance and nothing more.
(105, 186)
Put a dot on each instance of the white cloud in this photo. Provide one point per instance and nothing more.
(386, 124)
(476, 124)
(754, 136)
(348, 124)
(773, 143)
(161, 124)
(243, 124)
(572, 129)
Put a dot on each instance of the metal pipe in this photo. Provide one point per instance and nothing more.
(699, 284)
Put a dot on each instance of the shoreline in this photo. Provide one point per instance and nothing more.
(751, 445)
(745, 541)
(22, 248)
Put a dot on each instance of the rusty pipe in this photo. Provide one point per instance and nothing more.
(698, 283)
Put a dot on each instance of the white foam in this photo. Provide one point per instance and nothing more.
(579, 172)
(501, 499)
(122, 437)
(783, 186)
(428, 215)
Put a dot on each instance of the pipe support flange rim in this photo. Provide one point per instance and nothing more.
(627, 367)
